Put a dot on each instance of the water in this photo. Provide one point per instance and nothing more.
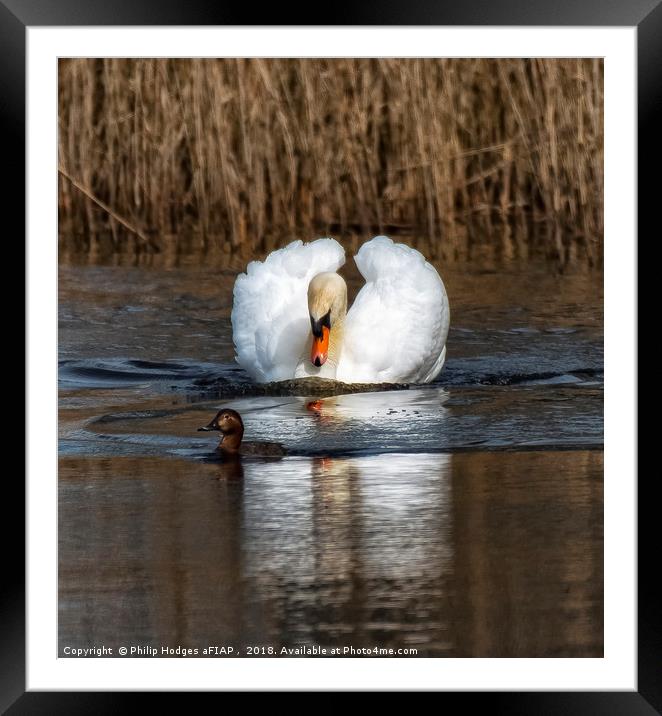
(463, 518)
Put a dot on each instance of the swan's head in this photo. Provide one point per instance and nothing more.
(226, 421)
(327, 305)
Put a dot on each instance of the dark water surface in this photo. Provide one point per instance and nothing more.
(463, 518)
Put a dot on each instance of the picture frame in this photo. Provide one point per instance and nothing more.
(17, 16)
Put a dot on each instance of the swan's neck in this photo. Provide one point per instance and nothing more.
(335, 342)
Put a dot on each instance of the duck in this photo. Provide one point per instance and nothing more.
(290, 317)
(229, 423)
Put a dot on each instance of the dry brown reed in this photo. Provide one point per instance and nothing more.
(243, 154)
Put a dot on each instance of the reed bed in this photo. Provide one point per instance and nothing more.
(240, 155)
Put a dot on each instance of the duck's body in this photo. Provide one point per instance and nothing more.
(290, 317)
(229, 423)
(262, 450)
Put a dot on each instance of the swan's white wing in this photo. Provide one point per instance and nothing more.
(397, 327)
(270, 322)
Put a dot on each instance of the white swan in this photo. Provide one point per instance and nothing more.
(290, 318)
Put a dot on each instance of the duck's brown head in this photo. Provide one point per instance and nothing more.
(229, 423)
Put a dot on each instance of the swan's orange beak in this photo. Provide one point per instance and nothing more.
(320, 350)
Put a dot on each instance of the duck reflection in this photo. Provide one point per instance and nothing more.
(227, 468)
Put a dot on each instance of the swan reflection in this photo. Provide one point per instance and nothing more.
(478, 554)
(350, 542)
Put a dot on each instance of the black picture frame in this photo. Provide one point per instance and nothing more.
(646, 15)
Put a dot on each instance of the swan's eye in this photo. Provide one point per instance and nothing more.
(316, 326)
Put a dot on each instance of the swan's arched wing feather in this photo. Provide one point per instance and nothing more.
(397, 327)
(270, 322)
